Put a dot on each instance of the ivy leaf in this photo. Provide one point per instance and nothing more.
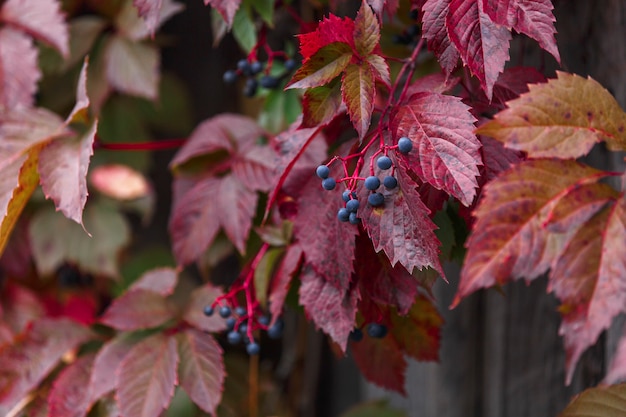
(332, 309)
(159, 280)
(598, 402)
(381, 361)
(147, 377)
(434, 13)
(321, 68)
(513, 82)
(330, 30)
(106, 365)
(552, 121)
(68, 396)
(20, 307)
(366, 31)
(402, 228)
(137, 309)
(141, 18)
(483, 44)
(150, 11)
(201, 297)
(244, 28)
(279, 287)
(201, 370)
(418, 333)
(34, 354)
(227, 8)
(210, 205)
(509, 240)
(133, 67)
(358, 92)
(530, 17)
(379, 67)
(42, 19)
(19, 69)
(320, 105)
(496, 158)
(446, 152)
(588, 279)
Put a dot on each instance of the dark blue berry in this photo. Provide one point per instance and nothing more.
(390, 182)
(405, 145)
(329, 183)
(234, 337)
(353, 219)
(376, 199)
(322, 171)
(414, 14)
(352, 206)
(376, 330)
(276, 330)
(413, 31)
(230, 76)
(225, 311)
(240, 311)
(372, 183)
(264, 320)
(290, 65)
(256, 67)
(356, 335)
(251, 87)
(244, 66)
(253, 348)
(230, 323)
(343, 214)
(346, 195)
(384, 162)
(208, 311)
(269, 81)
(243, 328)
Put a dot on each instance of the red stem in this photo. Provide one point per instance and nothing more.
(141, 146)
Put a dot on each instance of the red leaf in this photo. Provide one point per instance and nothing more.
(508, 240)
(513, 82)
(19, 69)
(282, 278)
(446, 153)
(227, 8)
(418, 333)
(366, 31)
(331, 29)
(496, 158)
(150, 11)
(147, 377)
(254, 166)
(589, 279)
(33, 354)
(530, 17)
(402, 227)
(133, 67)
(202, 370)
(68, 396)
(105, 367)
(159, 280)
(358, 92)
(436, 32)
(316, 225)
(20, 307)
(332, 309)
(484, 45)
(138, 309)
(63, 165)
(211, 204)
(201, 297)
(321, 68)
(381, 361)
(42, 19)
(432, 83)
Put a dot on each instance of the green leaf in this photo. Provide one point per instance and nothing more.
(598, 402)
(563, 118)
(263, 273)
(244, 29)
(321, 104)
(265, 9)
(323, 66)
(358, 91)
(281, 109)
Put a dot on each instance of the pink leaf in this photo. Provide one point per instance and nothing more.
(105, 367)
(63, 166)
(138, 309)
(19, 69)
(20, 307)
(530, 17)
(150, 10)
(254, 167)
(202, 370)
(68, 396)
(436, 32)
(141, 18)
(332, 309)
(82, 100)
(227, 8)
(147, 377)
(42, 19)
(201, 297)
(484, 45)
(446, 153)
(282, 278)
(159, 280)
(133, 67)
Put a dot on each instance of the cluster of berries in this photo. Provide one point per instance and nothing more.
(240, 326)
(374, 330)
(251, 70)
(348, 213)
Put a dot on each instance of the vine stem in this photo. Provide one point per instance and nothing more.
(141, 146)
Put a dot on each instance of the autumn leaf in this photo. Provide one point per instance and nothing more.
(138, 309)
(320, 105)
(279, 286)
(132, 67)
(321, 68)
(358, 92)
(483, 44)
(200, 298)
(68, 396)
(436, 33)
(598, 402)
(106, 363)
(147, 377)
(551, 120)
(496, 158)
(19, 70)
(513, 82)
(418, 333)
(161, 281)
(330, 30)
(446, 153)
(381, 361)
(226, 8)
(366, 30)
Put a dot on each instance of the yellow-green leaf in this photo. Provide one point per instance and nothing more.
(358, 93)
(598, 402)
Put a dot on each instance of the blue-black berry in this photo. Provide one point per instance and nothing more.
(230, 323)
(243, 328)
(234, 337)
(356, 335)
(329, 183)
(276, 330)
(269, 81)
(376, 199)
(264, 320)
(390, 182)
(343, 214)
(225, 311)
(405, 145)
(256, 67)
(353, 219)
(253, 348)
(346, 195)
(372, 183)
(229, 77)
(209, 310)
(244, 66)
(352, 206)
(384, 162)
(251, 86)
(290, 65)
(240, 311)
(322, 171)
(376, 330)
